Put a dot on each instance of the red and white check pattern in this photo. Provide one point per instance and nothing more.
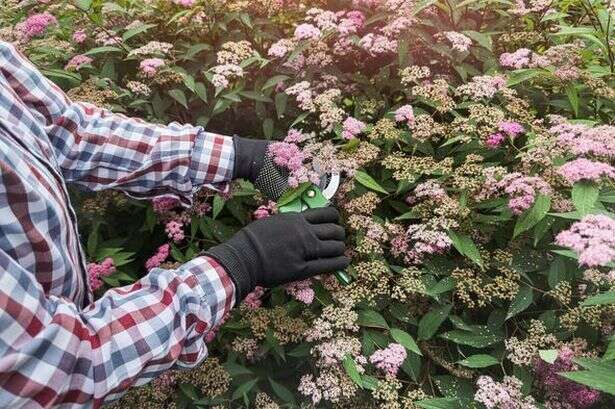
(57, 347)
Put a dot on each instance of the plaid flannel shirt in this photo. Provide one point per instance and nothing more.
(57, 347)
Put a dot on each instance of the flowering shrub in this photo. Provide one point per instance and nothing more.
(477, 144)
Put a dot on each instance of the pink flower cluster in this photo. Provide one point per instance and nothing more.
(307, 32)
(389, 359)
(185, 3)
(352, 127)
(429, 189)
(295, 136)
(583, 140)
(301, 291)
(157, 259)
(483, 86)
(98, 270)
(405, 114)
(377, 44)
(175, 230)
(253, 300)
(36, 25)
(150, 66)
(560, 391)
(265, 211)
(459, 42)
(79, 36)
(585, 169)
(420, 240)
(290, 156)
(506, 128)
(164, 204)
(592, 238)
(77, 62)
(522, 190)
(502, 395)
(523, 58)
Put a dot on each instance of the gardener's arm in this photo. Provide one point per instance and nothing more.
(52, 352)
(103, 150)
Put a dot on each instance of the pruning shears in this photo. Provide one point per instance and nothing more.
(315, 196)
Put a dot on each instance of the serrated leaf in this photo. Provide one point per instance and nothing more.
(439, 403)
(179, 96)
(244, 388)
(573, 98)
(429, 324)
(235, 369)
(519, 76)
(535, 214)
(273, 81)
(371, 318)
(523, 299)
(584, 196)
(282, 391)
(479, 361)
(137, 30)
(102, 50)
(218, 205)
(600, 299)
(369, 182)
(548, 355)
(405, 339)
(466, 247)
(351, 370)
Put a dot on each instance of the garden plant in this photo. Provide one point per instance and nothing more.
(476, 145)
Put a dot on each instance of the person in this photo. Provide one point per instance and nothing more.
(59, 347)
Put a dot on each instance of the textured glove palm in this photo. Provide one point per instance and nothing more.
(283, 248)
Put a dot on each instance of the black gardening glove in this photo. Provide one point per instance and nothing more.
(283, 248)
(253, 163)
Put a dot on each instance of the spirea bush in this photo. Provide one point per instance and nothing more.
(477, 144)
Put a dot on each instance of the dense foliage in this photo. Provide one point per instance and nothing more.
(477, 144)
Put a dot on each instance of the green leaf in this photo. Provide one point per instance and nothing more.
(523, 299)
(235, 369)
(481, 38)
(351, 369)
(480, 339)
(534, 215)
(371, 318)
(609, 355)
(137, 30)
(584, 196)
(255, 95)
(201, 90)
(573, 98)
(273, 81)
(102, 50)
(195, 49)
(466, 247)
(479, 361)
(92, 245)
(179, 96)
(218, 205)
(369, 182)
(293, 194)
(548, 355)
(282, 391)
(431, 321)
(268, 128)
(405, 339)
(244, 388)
(600, 299)
(439, 403)
(599, 374)
(83, 5)
(519, 76)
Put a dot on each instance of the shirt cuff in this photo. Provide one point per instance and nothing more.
(218, 290)
(213, 160)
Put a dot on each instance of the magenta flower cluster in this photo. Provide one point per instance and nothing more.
(389, 359)
(301, 291)
(36, 25)
(77, 62)
(150, 66)
(157, 259)
(502, 395)
(175, 230)
(592, 238)
(561, 391)
(583, 140)
(290, 156)
(96, 271)
(506, 128)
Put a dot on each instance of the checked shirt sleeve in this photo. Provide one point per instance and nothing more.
(52, 353)
(103, 150)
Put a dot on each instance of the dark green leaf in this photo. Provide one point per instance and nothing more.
(523, 299)
(371, 318)
(405, 339)
(431, 321)
(584, 196)
(479, 361)
(369, 182)
(534, 215)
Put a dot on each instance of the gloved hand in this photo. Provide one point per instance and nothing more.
(283, 248)
(253, 163)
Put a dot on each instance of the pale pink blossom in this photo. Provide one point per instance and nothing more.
(175, 230)
(459, 42)
(157, 259)
(96, 271)
(389, 359)
(301, 290)
(592, 238)
(405, 114)
(80, 36)
(36, 24)
(150, 66)
(307, 32)
(585, 169)
(253, 299)
(352, 127)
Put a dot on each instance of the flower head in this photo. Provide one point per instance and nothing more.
(592, 238)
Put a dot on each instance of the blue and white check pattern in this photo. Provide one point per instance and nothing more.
(57, 347)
